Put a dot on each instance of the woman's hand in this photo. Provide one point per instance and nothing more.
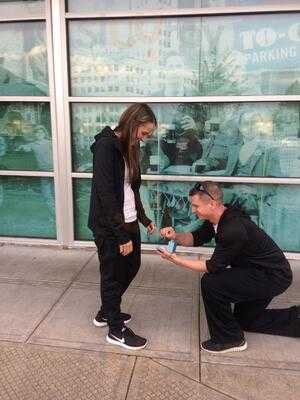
(168, 233)
(126, 248)
(150, 228)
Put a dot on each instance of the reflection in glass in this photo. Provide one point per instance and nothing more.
(186, 56)
(22, 8)
(87, 121)
(272, 207)
(254, 55)
(275, 208)
(144, 5)
(27, 207)
(81, 201)
(23, 59)
(235, 139)
(25, 137)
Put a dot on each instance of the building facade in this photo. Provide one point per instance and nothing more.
(222, 76)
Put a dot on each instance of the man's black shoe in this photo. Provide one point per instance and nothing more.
(126, 338)
(219, 348)
(101, 322)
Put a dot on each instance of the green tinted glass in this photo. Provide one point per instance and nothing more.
(250, 56)
(23, 59)
(81, 201)
(188, 56)
(25, 137)
(275, 208)
(144, 5)
(27, 207)
(87, 121)
(22, 8)
(235, 139)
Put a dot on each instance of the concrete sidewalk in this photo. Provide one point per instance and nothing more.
(49, 348)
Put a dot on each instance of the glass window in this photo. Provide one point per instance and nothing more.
(144, 5)
(275, 208)
(22, 8)
(272, 207)
(218, 139)
(25, 137)
(253, 55)
(87, 121)
(81, 193)
(187, 56)
(27, 207)
(23, 59)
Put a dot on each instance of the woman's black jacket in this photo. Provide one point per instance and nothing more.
(106, 217)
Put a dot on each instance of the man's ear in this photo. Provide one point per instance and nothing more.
(212, 203)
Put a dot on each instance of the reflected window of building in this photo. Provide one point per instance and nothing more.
(23, 59)
(25, 137)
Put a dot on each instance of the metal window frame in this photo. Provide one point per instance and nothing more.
(37, 99)
(61, 103)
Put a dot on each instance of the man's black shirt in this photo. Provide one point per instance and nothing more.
(240, 243)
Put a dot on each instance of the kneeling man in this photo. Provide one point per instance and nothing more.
(247, 269)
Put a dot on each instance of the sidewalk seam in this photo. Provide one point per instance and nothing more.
(174, 370)
(130, 379)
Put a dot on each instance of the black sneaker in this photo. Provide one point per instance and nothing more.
(101, 322)
(127, 339)
(219, 348)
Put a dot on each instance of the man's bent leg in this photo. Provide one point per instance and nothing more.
(223, 327)
(254, 317)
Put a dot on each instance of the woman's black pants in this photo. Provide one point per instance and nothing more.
(250, 290)
(116, 273)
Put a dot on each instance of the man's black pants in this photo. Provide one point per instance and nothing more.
(117, 272)
(250, 290)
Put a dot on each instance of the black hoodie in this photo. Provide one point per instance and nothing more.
(240, 243)
(106, 217)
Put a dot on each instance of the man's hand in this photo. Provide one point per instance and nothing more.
(168, 233)
(126, 248)
(166, 255)
(196, 265)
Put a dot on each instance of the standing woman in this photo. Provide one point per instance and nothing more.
(115, 210)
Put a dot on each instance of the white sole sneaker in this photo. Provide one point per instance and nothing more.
(232, 349)
(103, 324)
(125, 346)
(99, 324)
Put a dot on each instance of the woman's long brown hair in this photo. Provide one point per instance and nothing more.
(134, 116)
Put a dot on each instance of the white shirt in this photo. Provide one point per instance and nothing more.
(129, 209)
(215, 227)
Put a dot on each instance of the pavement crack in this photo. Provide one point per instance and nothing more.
(130, 379)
